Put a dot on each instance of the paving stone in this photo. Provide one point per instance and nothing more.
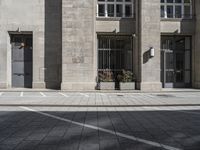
(173, 126)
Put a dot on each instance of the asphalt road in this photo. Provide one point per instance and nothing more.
(99, 128)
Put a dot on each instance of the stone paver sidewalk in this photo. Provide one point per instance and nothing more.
(99, 99)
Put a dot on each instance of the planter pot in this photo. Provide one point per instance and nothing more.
(107, 85)
(127, 85)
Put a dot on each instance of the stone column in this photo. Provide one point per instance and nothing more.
(38, 60)
(196, 50)
(149, 37)
(3, 58)
(39, 48)
(78, 39)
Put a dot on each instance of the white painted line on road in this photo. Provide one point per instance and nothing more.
(63, 94)
(1, 94)
(21, 94)
(43, 95)
(155, 144)
(84, 94)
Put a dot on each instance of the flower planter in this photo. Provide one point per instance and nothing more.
(127, 85)
(107, 85)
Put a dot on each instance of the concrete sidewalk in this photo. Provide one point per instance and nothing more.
(72, 99)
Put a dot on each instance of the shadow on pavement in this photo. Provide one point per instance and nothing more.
(29, 130)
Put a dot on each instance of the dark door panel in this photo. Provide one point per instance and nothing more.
(21, 61)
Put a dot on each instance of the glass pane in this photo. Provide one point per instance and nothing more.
(169, 1)
(169, 76)
(178, 11)
(128, 11)
(111, 10)
(101, 11)
(180, 67)
(119, 9)
(162, 10)
(180, 44)
(187, 1)
(169, 61)
(180, 61)
(187, 10)
(178, 1)
(170, 12)
(179, 76)
(167, 44)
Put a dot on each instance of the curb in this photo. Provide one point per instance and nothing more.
(39, 105)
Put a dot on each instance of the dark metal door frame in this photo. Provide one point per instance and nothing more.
(174, 70)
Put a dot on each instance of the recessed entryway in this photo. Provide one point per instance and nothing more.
(22, 60)
(176, 61)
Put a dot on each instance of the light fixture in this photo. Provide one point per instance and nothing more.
(152, 52)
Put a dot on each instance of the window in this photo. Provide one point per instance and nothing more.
(115, 8)
(176, 9)
(115, 54)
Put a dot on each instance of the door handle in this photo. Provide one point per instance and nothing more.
(19, 74)
(179, 71)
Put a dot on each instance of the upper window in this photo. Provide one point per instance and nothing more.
(176, 9)
(115, 8)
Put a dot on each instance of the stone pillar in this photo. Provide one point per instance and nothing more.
(196, 50)
(38, 60)
(78, 49)
(3, 58)
(39, 49)
(149, 36)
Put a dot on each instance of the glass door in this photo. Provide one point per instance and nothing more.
(176, 61)
(179, 69)
(169, 69)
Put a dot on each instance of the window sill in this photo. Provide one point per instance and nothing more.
(114, 18)
(177, 19)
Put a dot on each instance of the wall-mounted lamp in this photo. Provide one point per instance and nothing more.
(152, 52)
(134, 35)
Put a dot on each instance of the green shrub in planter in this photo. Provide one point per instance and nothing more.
(106, 80)
(126, 76)
(126, 80)
(106, 76)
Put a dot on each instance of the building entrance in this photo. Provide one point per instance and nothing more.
(176, 61)
(22, 58)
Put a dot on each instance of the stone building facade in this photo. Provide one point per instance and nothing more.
(73, 44)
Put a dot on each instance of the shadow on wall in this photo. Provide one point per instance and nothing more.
(53, 43)
(127, 26)
(146, 56)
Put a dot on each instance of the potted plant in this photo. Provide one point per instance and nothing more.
(106, 81)
(126, 80)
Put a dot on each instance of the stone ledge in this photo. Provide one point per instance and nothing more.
(78, 85)
(39, 85)
(150, 86)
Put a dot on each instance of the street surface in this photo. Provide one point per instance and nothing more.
(99, 121)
